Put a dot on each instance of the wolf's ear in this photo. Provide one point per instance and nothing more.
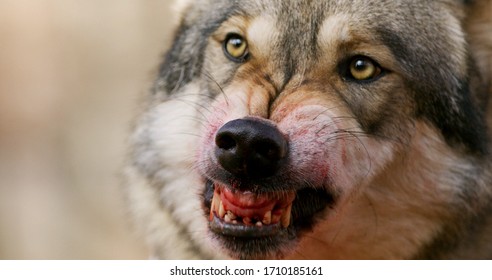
(179, 8)
(181, 5)
(189, 10)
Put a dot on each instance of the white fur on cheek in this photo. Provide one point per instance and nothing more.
(174, 132)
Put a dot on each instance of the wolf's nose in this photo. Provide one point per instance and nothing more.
(250, 148)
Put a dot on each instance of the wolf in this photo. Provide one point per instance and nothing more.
(313, 129)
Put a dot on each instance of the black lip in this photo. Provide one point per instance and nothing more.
(241, 230)
(251, 242)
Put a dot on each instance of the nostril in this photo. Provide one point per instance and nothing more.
(225, 141)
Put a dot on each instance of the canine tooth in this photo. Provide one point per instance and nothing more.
(285, 219)
(221, 210)
(267, 219)
(212, 207)
(231, 215)
(259, 224)
(227, 218)
(215, 203)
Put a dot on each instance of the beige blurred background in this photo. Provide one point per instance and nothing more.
(70, 74)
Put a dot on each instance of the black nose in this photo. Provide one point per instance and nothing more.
(250, 148)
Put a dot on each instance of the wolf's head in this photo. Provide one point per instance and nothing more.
(340, 129)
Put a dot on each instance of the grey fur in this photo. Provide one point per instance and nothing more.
(435, 83)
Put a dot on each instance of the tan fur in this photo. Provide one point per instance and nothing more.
(396, 194)
(344, 234)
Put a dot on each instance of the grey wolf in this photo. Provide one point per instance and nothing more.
(301, 129)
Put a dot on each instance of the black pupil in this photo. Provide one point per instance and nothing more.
(361, 65)
(236, 42)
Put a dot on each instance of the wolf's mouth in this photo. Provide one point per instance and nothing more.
(246, 214)
(256, 225)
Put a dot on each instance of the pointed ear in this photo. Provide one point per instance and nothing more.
(188, 10)
(180, 6)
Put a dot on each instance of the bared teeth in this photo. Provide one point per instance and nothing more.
(215, 206)
(222, 211)
(215, 202)
(267, 219)
(212, 208)
(285, 219)
(229, 217)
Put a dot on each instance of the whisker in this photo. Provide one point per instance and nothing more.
(211, 78)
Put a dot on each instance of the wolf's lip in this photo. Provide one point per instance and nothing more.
(241, 230)
(296, 210)
(245, 214)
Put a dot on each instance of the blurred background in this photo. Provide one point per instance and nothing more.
(71, 72)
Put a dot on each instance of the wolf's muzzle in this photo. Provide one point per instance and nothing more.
(251, 196)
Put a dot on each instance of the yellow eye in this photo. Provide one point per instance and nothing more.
(236, 48)
(363, 69)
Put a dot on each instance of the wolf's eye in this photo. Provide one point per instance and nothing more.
(363, 69)
(236, 48)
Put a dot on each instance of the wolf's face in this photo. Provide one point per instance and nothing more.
(314, 128)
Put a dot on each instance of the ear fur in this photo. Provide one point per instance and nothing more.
(181, 5)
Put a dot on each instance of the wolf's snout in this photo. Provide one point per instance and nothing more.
(250, 148)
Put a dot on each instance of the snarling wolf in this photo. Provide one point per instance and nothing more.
(313, 129)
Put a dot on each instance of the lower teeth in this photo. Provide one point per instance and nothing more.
(227, 219)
